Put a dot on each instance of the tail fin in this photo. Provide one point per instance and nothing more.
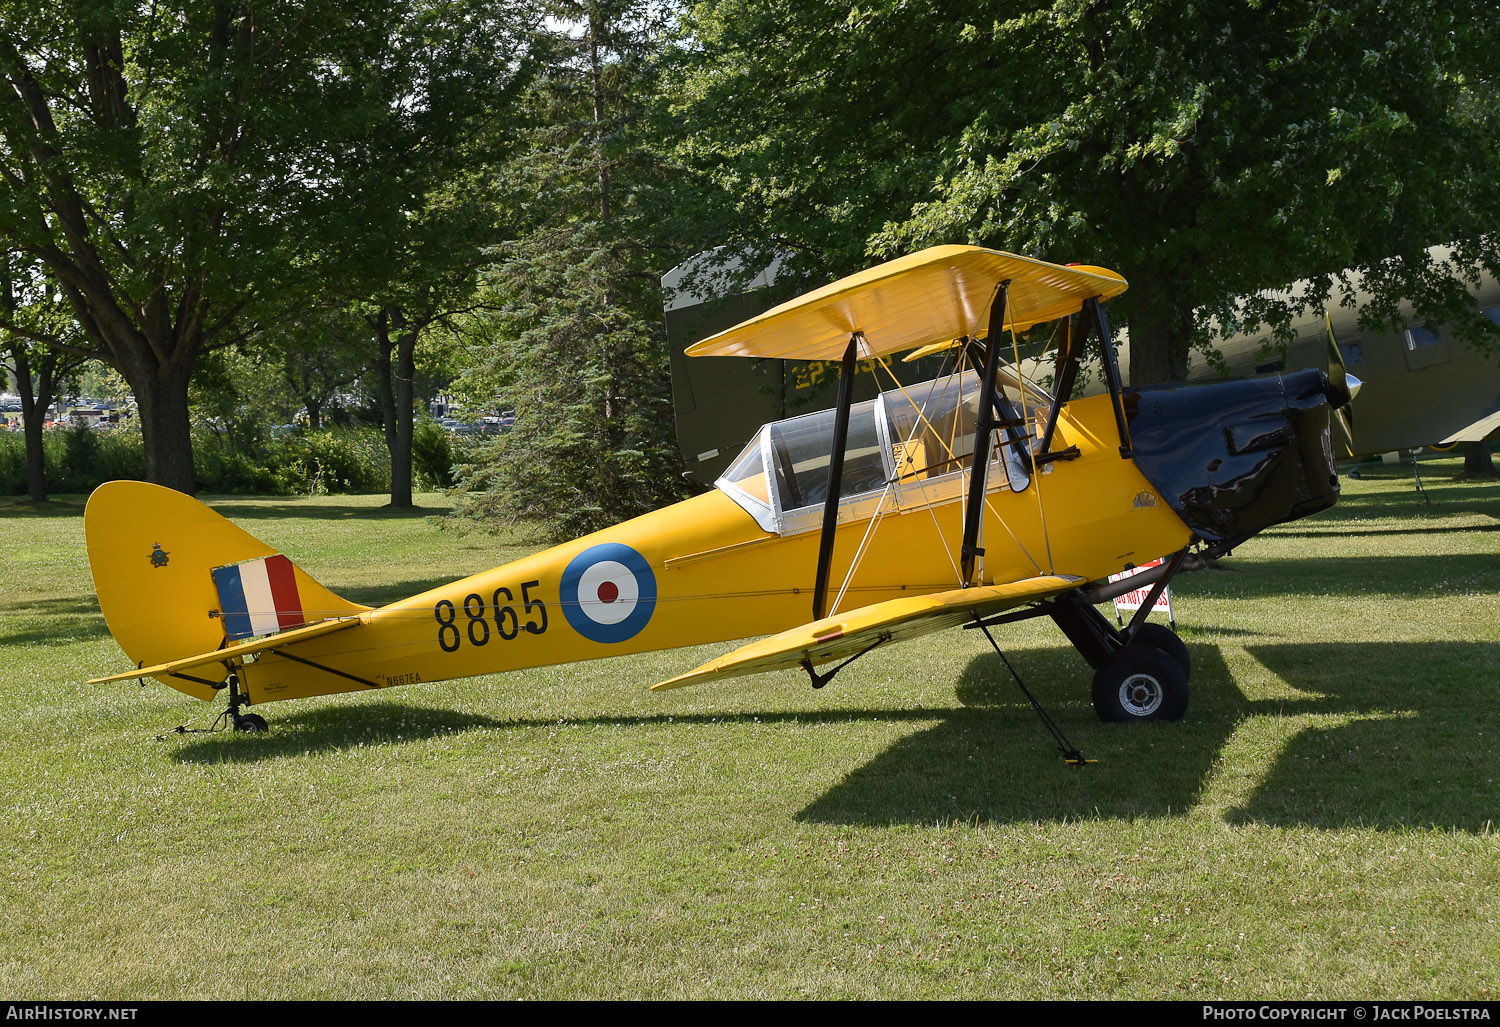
(175, 579)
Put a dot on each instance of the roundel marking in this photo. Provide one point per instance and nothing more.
(608, 592)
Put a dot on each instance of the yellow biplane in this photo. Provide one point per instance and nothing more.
(977, 498)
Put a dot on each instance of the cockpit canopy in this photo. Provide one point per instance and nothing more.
(913, 442)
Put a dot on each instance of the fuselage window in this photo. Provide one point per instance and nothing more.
(1420, 337)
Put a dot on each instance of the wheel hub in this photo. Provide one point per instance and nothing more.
(1140, 695)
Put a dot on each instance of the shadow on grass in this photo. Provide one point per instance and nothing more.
(1424, 751)
(1338, 531)
(1420, 749)
(300, 508)
(1441, 497)
(993, 761)
(60, 621)
(1217, 631)
(58, 506)
(389, 592)
(344, 727)
(1440, 576)
(332, 729)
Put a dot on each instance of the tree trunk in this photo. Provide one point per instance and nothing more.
(162, 404)
(1478, 461)
(406, 368)
(393, 379)
(1161, 333)
(36, 456)
(33, 413)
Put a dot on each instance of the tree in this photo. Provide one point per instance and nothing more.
(578, 343)
(436, 281)
(27, 314)
(1478, 460)
(1205, 151)
(326, 349)
(190, 171)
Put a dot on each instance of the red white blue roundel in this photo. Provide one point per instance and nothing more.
(608, 592)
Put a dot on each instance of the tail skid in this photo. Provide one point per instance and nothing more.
(182, 587)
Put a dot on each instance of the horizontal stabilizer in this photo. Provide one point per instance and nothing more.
(848, 634)
(1476, 432)
(326, 627)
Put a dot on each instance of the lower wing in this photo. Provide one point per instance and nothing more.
(848, 634)
(1475, 432)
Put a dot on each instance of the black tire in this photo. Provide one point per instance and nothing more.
(250, 723)
(1158, 636)
(1140, 683)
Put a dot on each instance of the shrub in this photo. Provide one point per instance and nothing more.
(327, 460)
(332, 460)
(432, 455)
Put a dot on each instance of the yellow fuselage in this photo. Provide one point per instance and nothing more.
(711, 573)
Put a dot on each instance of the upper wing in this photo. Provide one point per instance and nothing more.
(937, 294)
(847, 634)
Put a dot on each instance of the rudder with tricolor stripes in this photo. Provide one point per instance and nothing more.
(176, 579)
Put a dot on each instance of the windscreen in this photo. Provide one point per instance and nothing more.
(748, 472)
(800, 449)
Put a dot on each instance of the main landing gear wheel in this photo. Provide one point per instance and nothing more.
(1158, 636)
(1140, 683)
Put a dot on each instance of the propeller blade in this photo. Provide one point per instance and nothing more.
(1341, 383)
(1338, 375)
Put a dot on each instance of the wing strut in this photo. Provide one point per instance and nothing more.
(1071, 756)
(835, 477)
(979, 469)
(1111, 372)
(1065, 374)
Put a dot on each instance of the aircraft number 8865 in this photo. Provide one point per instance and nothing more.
(507, 622)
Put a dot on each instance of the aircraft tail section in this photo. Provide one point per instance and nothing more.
(177, 580)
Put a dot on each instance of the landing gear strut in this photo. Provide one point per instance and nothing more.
(1139, 675)
(249, 723)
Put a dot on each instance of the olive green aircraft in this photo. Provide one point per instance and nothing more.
(1417, 387)
(1420, 385)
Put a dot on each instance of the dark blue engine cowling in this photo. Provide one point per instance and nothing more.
(1233, 458)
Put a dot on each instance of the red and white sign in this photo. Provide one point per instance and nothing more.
(1136, 597)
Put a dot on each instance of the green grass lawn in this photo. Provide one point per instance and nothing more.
(1321, 825)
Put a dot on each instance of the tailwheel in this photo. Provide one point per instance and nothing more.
(1140, 683)
(250, 723)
